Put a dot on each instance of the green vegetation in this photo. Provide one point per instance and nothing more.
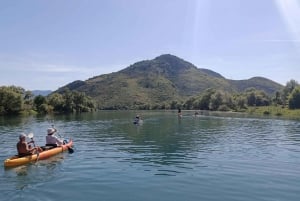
(294, 98)
(283, 103)
(12, 100)
(15, 100)
(274, 111)
(166, 82)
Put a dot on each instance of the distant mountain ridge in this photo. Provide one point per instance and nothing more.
(41, 92)
(161, 80)
(259, 83)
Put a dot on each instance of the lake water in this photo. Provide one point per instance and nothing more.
(166, 158)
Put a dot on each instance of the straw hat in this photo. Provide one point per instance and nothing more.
(50, 131)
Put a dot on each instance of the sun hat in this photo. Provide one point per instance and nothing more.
(50, 131)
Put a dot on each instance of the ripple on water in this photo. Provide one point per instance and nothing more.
(204, 158)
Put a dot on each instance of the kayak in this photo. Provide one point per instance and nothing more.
(48, 152)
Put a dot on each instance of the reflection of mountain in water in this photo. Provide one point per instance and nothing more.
(165, 141)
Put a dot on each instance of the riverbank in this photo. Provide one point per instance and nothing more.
(274, 111)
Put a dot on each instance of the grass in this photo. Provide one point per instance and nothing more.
(274, 111)
(28, 112)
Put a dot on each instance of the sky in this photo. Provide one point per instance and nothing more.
(46, 44)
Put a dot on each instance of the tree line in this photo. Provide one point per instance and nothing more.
(16, 100)
(217, 100)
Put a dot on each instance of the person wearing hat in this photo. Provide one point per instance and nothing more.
(52, 140)
(23, 147)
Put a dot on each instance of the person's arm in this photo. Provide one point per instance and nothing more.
(28, 147)
(18, 148)
(58, 141)
(23, 148)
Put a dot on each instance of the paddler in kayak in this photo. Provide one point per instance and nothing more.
(51, 139)
(179, 113)
(23, 147)
(138, 119)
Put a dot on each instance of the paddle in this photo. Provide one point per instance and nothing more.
(30, 135)
(70, 150)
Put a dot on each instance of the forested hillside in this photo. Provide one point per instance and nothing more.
(159, 82)
(166, 82)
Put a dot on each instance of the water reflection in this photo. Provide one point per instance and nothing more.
(16, 121)
(166, 142)
(27, 176)
(207, 155)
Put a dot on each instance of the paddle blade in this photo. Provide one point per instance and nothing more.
(30, 135)
(70, 150)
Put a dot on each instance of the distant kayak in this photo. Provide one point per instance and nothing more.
(16, 160)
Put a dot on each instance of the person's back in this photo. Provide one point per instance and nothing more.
(22, 146)
(52, 140)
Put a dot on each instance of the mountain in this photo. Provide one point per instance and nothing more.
(163, 79)
(41, 92)
(258, 83)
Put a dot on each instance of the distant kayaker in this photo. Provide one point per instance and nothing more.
(179, 112)
(137, 119)
(52, 140)
(23, 147)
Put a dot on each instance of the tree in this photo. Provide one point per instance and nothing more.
(216, 100)
(71, 101)
(250, 94)
(240, 101)
(173, 105)
(38, 102)
(205, 99)
(11, 100)
(188, 105)
(289, 87)
(57, 101)
(294, 98)
(28, 100)
(261, 99)
(79, 101)
(256, 97)
(28, 96)
(277, 99)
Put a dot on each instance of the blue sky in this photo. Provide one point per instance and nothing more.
(47, 44)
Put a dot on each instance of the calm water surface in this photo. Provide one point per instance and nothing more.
(165, 158)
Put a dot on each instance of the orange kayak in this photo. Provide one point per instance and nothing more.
(16, 160)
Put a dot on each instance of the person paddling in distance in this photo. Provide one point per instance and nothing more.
(179, 113)
(23, 147)
(51, 139)
(137, 119)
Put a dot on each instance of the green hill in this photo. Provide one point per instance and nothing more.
(160, 81)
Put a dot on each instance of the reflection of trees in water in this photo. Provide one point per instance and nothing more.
(292, 132)
(15, 121)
